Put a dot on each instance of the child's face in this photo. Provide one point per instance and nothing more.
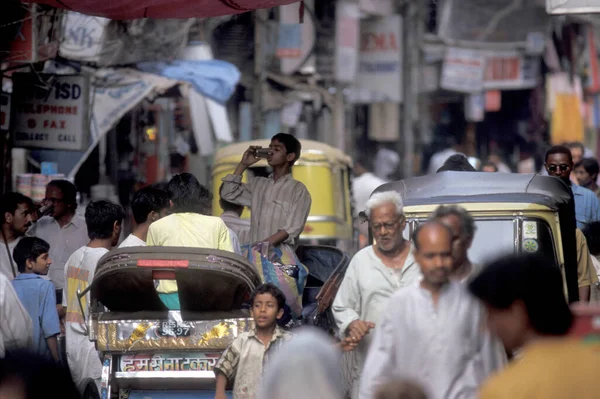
(41, 265)
(265, 310)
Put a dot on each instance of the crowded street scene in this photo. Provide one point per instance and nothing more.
(289, 199)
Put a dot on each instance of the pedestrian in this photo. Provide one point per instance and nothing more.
(463, 228)
(307, 366)
(559, 163)
(63, 229)
(586, 172)
(187, 226)
(104, 221)
(528, 311)
(15, 326)
(373, 275)
(431, 332)
(249, 353)
(38, 295)
(148, 205)
(232, 217)
(16, 212)
(364, 182)
(279, 207)
(457, 163)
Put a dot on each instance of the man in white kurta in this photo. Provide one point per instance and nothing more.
(374, 274)
(431, 332)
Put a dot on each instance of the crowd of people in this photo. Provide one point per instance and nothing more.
(416, 317)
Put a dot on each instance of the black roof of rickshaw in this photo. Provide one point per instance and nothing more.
(461, 187)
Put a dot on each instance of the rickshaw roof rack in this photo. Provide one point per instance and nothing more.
(457, 187)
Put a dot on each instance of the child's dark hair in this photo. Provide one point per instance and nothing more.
(29, 248)
(269, 288)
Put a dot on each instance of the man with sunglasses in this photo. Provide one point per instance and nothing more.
(374, 274)
(559, 163)
(62, 229)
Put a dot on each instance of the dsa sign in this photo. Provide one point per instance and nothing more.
(50, 111)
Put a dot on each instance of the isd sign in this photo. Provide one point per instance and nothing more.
(50, 111)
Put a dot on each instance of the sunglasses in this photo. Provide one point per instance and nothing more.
(562, 167)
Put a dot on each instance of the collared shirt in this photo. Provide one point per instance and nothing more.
(6, 267)
(276, 205)
(132, 241)
(82, 357)
(188, 230)
(15, 323)
(549, 369)
(39, 299)
(362, 188)
(587, 206)
(240, 226)
(245, 360)
(442, 347)
(367, 285)
(63, 242)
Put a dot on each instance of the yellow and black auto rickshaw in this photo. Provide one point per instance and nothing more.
(324, 170)
(514, 213)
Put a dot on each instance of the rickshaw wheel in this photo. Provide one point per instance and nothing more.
(91, 391)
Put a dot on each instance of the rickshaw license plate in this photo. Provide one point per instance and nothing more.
(202, 361)
(173, 329)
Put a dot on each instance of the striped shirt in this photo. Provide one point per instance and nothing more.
(276, 205)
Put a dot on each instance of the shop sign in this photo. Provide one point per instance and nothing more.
(50, 111)
(82, 37)
(510, 70)
(37, 39)
(559, 7)
(377, 7)
(289, 44)
(4, 111)
(380, 60)
(463, 70)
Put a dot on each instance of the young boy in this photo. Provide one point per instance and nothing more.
(248, 353)
(37, 295)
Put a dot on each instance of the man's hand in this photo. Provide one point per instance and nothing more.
(220, 395)
(358, 329)
(347, 344)
(248, 158)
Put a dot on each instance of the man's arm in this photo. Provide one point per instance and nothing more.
(233, 189)
(346, 305)
(296, 218)
(221, 385)
(226, 367)
(50, 322)
(584, 263)
(52, 343)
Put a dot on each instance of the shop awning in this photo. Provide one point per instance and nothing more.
(127, 9)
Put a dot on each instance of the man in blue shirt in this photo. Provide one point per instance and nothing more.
(37, 295)
(559, 163)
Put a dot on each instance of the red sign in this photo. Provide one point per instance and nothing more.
(493, 100)
(503, 68)
(163, 263)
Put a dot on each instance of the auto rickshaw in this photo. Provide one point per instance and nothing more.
(324, 170)
(150, 352)
(514, 213)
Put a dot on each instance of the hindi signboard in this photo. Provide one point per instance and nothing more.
(50, 111)
(380, 59)
(463, 70)
(510, 70)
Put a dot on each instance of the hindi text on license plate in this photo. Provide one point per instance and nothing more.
(173, 362)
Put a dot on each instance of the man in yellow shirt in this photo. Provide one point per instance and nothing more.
(527, 309)
(187, 226)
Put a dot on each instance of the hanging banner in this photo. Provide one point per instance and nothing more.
(509, 70)
(50, 111)
(463, 70)
(380, 59)
(347, 29)
(4, 111)
(560, 7)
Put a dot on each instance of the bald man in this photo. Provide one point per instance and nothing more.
(432, 332)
